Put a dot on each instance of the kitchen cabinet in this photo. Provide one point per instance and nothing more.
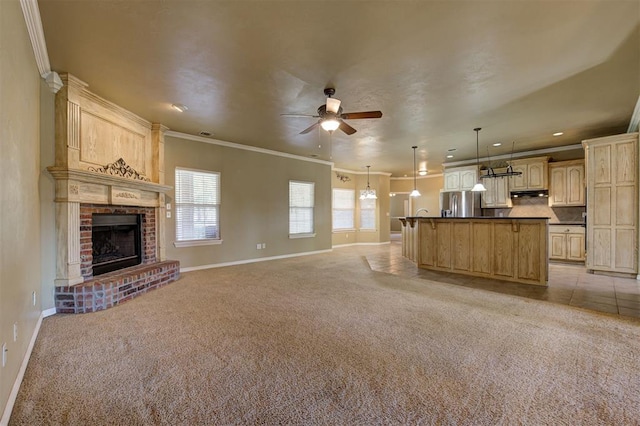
(567, 185)
(534, 174)
(612, 203)
(497, 194)
(566, 243)
(460, 178)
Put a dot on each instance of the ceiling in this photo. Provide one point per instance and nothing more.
(521, 70)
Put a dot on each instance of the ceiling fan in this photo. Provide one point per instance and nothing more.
(331, 116)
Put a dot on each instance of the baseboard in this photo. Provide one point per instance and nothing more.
(48, 312)
(16, 385)
(244, 262)
(361, 244)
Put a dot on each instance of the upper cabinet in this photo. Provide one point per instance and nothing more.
(497, 194)
(567, 185)
(534, 174)
(460, 178)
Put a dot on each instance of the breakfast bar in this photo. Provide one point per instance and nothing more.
(508, 249)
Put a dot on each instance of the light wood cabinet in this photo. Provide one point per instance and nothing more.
(566, 183)
(566, 243)
(612, 203)
(460, 178)
(497, 193)
(500, 248)
(534, 174)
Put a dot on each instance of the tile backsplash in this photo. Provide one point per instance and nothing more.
(538, 207)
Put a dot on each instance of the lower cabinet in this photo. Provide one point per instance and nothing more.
(566, 243)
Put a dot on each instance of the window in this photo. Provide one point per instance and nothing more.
(301, 199)
(367, 213)
(344, 206)
(197, 206)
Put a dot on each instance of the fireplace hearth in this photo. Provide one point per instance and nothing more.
(116, 242)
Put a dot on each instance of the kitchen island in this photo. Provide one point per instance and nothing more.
(509, 249)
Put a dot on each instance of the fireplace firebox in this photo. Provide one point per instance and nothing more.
(116, 241)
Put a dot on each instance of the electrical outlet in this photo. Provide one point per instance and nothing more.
(258, 246)
(168, 215)
(264, 245)
(33, 297)
(15, 331)
(168, 206)
(4, 354)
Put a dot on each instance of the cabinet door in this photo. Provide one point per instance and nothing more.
(536, 175)
(501, 194)
(557, 245)
(558, 186)
(519, 182)
(575, 246)
(452, 181)
(468, 179)
(489, 196)
(575, 185)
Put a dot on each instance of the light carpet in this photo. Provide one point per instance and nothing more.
(325, 340)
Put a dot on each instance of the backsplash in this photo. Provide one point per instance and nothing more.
(538, 207)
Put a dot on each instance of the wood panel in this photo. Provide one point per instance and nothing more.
(575, 247)
(428, 249)
(443, 244)
(575, 185)
(461, 244)
(482, 243)
(557, 246)
(503, 250)
(529, 251)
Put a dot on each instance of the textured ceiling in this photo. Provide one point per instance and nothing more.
(521, 70)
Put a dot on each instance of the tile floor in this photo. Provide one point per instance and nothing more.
(568, 284)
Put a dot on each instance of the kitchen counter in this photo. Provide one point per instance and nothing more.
(503, 248)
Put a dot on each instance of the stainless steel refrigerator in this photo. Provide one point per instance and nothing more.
(460, 204)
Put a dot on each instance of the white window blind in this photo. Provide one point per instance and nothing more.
(344, 206)
(301, 202)
(197, 205)
(367, 213)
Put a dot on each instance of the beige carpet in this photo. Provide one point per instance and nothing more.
(324, 340)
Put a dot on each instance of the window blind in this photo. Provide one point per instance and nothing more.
(301, 203)
(343, 208)
(367, 213)
(197, 205)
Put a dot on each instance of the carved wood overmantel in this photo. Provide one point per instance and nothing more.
(104, 155)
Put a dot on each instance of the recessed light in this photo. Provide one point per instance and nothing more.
(449, 156)
(558, 134)
(179, 107)
(497, 144)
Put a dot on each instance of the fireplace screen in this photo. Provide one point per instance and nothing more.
(116, 242)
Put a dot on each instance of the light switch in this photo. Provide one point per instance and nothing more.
(168, 215)
(168, 206)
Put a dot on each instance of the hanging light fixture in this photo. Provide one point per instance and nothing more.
(368, 194)
(478, 187)
(415, 192)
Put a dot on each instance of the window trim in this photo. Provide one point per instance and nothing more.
(313, 210)
(353, 210)
(203, 241)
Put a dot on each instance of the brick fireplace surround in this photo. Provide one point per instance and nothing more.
(108, 160)
(108, 290)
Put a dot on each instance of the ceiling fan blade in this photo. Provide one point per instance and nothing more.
(310, 128)
(363, 114)
(333, 105)
(299, 115)
(346, 128)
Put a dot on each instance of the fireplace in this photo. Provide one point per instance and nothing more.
(116, 242)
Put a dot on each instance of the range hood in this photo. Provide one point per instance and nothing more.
(531, 193)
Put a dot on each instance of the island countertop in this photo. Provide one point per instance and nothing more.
(503, 248)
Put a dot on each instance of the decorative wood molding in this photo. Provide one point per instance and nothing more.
(119, 168)
(60, 173)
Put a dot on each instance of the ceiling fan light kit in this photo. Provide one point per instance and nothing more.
(332, 118)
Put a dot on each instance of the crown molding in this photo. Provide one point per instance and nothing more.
(32, 19)
(521, 154)
(244, 147)
(359, 172)
(427, 176)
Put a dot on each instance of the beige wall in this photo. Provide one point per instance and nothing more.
(19, 203)
(429, 187)
(254, 202)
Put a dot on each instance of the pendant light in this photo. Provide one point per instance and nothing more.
(415, 192)
(368, 194)
(478, 187)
